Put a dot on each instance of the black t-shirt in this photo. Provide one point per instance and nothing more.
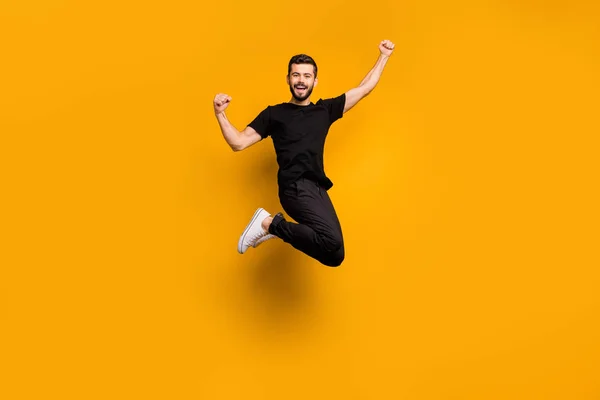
(298, 134)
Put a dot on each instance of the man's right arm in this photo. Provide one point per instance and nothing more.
(235, 139)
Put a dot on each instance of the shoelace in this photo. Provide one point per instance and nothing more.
(257, 236)
(263, 239)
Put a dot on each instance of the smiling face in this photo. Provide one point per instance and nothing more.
(302, 81)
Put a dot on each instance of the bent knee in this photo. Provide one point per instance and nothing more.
(336, 258)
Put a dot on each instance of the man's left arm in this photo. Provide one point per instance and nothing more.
(354, 95)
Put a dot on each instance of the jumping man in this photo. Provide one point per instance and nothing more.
(298, 129)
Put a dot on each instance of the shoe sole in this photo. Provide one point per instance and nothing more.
(241, 241)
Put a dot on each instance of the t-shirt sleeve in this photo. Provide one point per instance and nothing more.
(262, 122)
(335, 107)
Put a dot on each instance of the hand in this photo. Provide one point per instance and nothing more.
(221, 102)
(386, 47)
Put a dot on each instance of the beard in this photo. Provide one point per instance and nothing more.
(306, 94)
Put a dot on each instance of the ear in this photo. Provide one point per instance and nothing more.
(316, 82)
(287, 79)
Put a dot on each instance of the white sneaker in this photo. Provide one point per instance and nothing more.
(253, 231)
(263, 239)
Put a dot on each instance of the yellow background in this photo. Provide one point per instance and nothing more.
(466, 184)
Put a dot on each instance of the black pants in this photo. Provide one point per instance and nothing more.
(318, 232)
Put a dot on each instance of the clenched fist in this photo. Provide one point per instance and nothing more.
(221, 102)
(386, 47)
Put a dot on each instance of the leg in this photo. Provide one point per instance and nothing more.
(318, 232)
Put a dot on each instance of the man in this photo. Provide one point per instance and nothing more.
(298, 129)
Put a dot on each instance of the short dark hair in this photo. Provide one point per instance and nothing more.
(302, 59)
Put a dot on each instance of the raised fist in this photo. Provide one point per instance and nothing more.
(386, 47)
(221, 102)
